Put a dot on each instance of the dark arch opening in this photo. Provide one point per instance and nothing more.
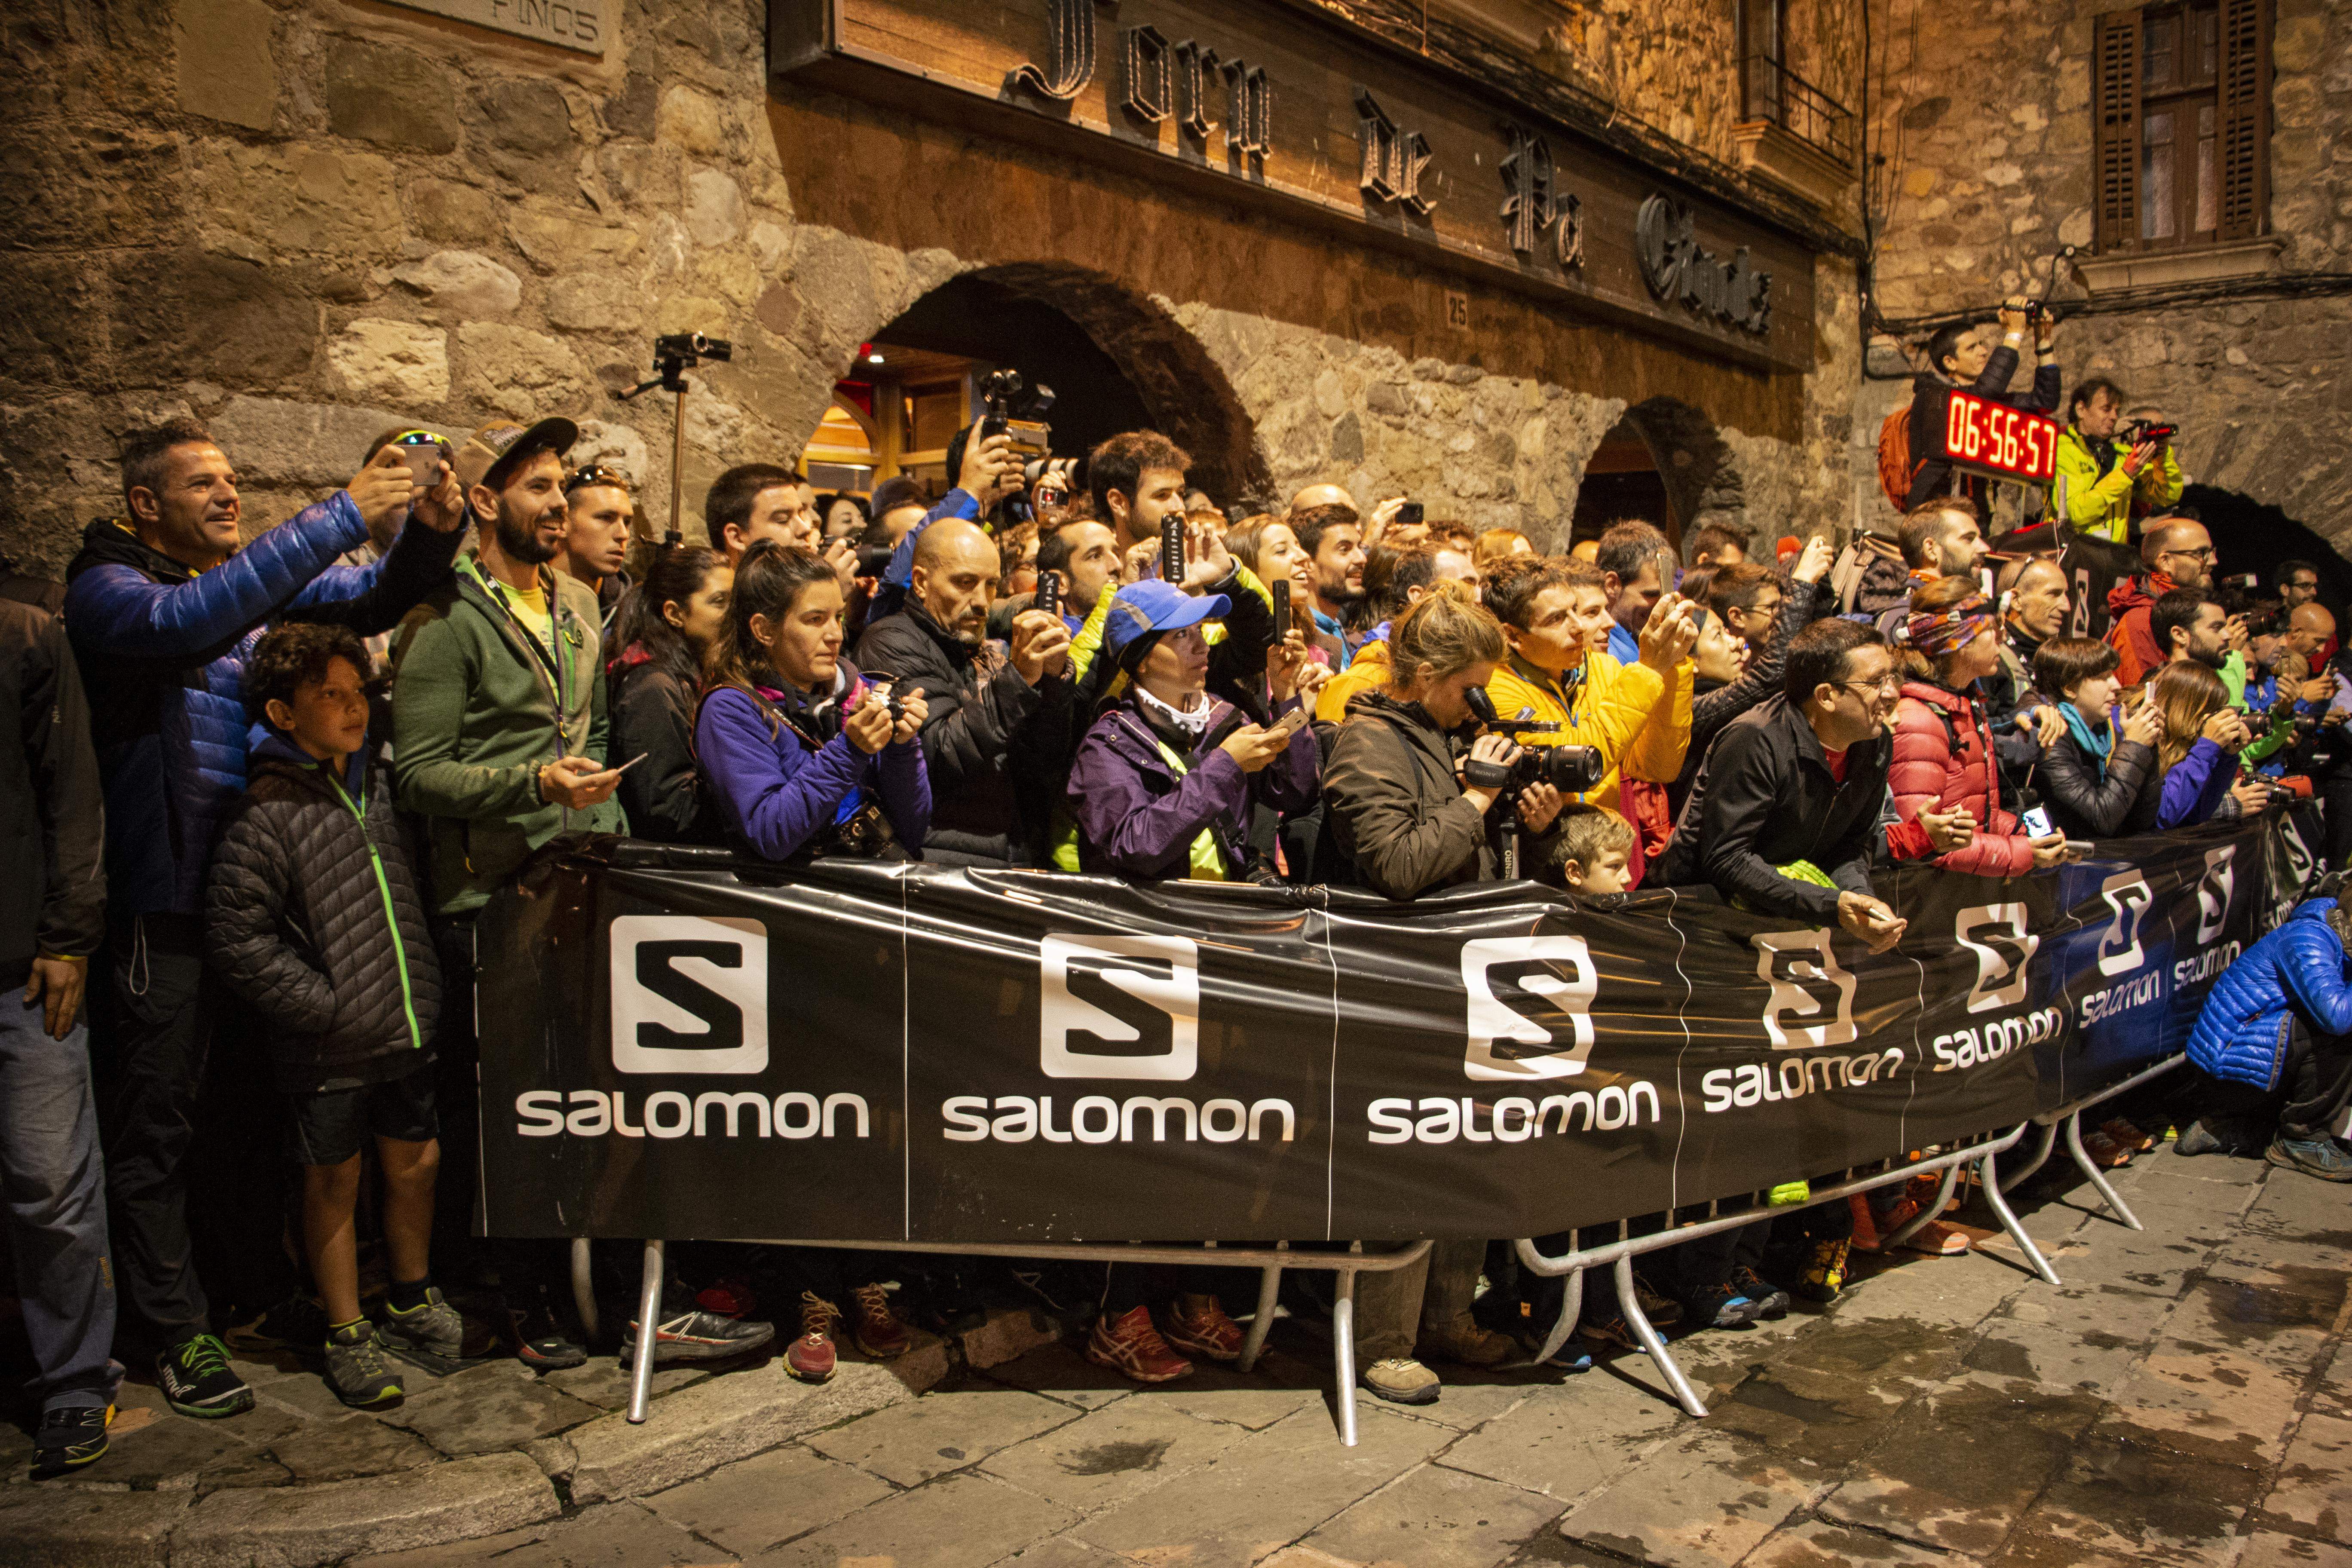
(1621, 480)
(1116, 361)
(2254, 536)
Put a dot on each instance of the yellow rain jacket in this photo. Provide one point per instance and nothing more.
(1641, 725)
(2100, 505)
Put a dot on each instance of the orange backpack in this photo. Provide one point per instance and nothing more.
(1896, 468)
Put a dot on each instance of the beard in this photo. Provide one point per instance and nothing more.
(2212, 658)
(520, 541)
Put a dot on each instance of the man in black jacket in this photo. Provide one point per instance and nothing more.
(1783, 816)
(999, 733)
(1964, 357)
(51, 848)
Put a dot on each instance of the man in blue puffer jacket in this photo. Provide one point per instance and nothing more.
(2275, 1022)
(162, 608)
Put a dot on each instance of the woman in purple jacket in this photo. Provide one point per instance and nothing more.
(2198, 751)
(1164, 784)
(801, 755)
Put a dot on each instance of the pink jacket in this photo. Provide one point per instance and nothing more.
(1943, 758)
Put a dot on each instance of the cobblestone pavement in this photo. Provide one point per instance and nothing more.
(2177, 1401)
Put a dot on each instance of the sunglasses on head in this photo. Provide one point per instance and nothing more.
(594, 474)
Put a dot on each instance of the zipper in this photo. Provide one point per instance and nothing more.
(391, 919)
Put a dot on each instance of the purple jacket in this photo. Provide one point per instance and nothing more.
(779, 792)
(2195, 787)
(1138, 817)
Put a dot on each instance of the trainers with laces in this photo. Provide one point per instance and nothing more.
(877, 1329)
(541, 1341)
(1131, 1347)
(1607, 1326)
(433, 1327)
(196, 1379)
(356, 1369)
(1466, 1344)
(2321, 1157)
(1206, 1332)
(1871, 1228)
(2104, 1150)
(1770, 1300)
(694, 1334)
(1663, 1310)
(1400, 1380)
(1719, 1307)
(1823, 1275)
(70, 1438)
(812, 1357)
(1937, 1240)
(2216, 1135)
(2128, 1135)
(730, 1297)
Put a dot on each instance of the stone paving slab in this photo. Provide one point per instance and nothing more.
(963, 1520)
(297, 1527)
(716, 1421)
(753, 1504)
(908, 1444)
(1110, 1455)
(1436, 1517)
(1703, 1503)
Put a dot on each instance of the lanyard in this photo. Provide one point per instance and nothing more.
(556, 666)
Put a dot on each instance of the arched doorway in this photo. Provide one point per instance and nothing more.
(1621, 481)
(1115, 361)
(1665, 463)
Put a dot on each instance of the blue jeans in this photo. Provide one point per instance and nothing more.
(55, 1185)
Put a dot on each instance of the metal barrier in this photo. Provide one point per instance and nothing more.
(2070, 1116)
(1270, 1261)
(1619, 1255)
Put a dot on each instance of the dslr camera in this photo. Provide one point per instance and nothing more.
(1013, 408)
(1571, 770)
(2140, 430)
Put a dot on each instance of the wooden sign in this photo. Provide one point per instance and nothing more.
(1283, 109)
(568, 24)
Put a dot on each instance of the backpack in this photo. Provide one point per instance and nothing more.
(1896, 468)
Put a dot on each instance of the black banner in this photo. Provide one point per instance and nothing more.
(676, 1047)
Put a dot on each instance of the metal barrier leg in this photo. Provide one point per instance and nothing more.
(1920, 1221)
(1343, 1351)
(2098, 1178)
(1571, 1307)
(583, 1289)
(1629, 1302)
(1269, 1283)
(649, 1294)
(2041, 1158)
(1989, 1178)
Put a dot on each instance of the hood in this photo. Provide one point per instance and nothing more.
(1408, 716)
(274, 751)
(110, 542)
(2133, 593)
(1372, 655)
(1943, 696)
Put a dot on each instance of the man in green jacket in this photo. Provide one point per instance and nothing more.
(2100, 481)
(498, 708)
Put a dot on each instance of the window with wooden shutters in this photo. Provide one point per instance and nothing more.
(2180, 108)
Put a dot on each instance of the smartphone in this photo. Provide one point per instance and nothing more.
(632, 763)
(2035, 820)
(425, 453)
(1410, 514)
(1290, 723)
(1281, 592)
(1172, 550)
(1049, 594)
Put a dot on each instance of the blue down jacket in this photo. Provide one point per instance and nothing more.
(2300, 967)
(162, 651)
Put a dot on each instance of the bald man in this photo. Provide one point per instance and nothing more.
(1323, 495)
(2033, 597)
(999, 733)
(2175, 552)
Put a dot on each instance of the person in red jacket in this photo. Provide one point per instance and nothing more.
(1943, 745)
(2177, 553)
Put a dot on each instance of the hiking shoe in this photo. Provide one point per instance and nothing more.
(434, 1328)
(1400, 1380)
(1770, 1300)
(1823, 1275)
(2321, 1157)
(1922, 1190)
(2104, 1150)
(356, 1369)
(70, 1438)
(1663, 1311)
(812, 1357)
(1131, 1347)
(196, 1379)
(1207, 1333)
(730, 1297)
(2215, 1135)
(1569, 1358)
(877, 1329)
(2129, 1136)
(1607, 1326)
(541, 1341)
(694, 1334)
(1719, 1307)
(1937, 1240)
(1467, 1343)
(297, 1323)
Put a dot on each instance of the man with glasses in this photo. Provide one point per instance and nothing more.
(595, 543)
(1783, 816)
(2177, 553)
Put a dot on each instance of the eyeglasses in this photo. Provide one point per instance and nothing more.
(594, 474)
(1890, 681)
(2203, 553)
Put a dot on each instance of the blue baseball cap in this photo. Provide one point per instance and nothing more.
(1142, 611)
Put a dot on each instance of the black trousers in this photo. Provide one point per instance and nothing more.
(152, 1014)
(2315, 1086)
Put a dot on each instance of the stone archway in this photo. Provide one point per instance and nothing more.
(1698, 466)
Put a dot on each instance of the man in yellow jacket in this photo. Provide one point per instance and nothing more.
(2101, 482)
(1555, 615)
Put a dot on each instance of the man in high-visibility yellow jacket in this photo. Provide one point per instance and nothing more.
(2102, 483)
(1555, 615)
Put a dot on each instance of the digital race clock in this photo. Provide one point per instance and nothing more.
(2018, 444)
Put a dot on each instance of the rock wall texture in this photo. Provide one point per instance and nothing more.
(1986, 119)
(306, 222)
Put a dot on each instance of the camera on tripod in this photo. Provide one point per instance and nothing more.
(1571, 770)
(1017, 410)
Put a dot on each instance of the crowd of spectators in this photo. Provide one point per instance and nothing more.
(267, 787)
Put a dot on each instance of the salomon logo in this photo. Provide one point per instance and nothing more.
(2213, 891)
(1118, 1006)
(1787, 961)
(2000, 978)
(2128, 894)
(690, 994)
(1527, 991)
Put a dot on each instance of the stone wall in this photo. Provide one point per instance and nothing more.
(304, 223)
(1986, 115)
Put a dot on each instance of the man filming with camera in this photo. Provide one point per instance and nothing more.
(2107, 474)
(1961, 358)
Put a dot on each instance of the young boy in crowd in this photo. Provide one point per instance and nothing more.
(1588, 850)
(313, 916)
